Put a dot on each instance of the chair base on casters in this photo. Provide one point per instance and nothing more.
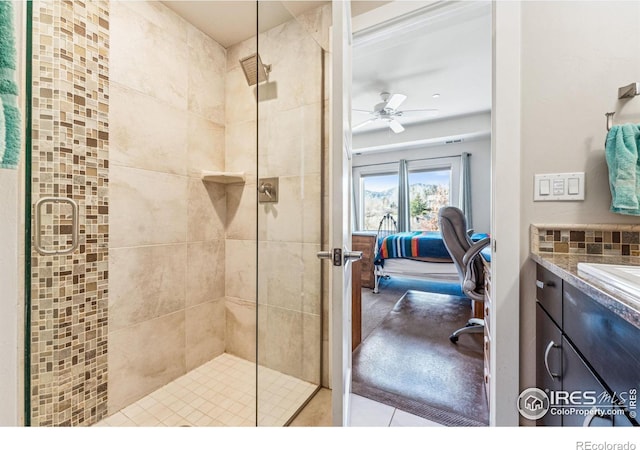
(472, 326)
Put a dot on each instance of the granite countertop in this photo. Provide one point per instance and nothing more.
(566, 267)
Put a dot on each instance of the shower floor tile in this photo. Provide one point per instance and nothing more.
(221, 392)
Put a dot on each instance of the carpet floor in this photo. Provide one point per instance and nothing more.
(408, 362)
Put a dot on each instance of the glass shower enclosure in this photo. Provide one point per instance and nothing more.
(175, 184)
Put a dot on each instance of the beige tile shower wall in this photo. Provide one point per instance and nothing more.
(240, 247)
(167, 271)
(70, 159)
(289, 232)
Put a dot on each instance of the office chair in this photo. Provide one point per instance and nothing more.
(466, 257)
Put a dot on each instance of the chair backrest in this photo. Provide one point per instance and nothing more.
(453, 227)
(386, 227)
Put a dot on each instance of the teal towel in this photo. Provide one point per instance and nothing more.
(8, 88)
(621, 151)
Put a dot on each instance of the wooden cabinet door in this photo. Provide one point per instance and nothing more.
(548, 360)
(577, 377)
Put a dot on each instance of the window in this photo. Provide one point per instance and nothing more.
(433, 183)
(429, 190)
(379, 197)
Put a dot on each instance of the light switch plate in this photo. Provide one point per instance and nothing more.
(558, 187)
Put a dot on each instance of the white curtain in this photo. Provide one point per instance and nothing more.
(465, 188)
(403, 197)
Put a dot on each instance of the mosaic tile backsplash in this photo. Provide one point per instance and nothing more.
(70, 140)
(613, 240)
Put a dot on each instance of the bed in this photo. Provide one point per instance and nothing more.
(415, 254)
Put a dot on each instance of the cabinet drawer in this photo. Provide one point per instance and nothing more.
(487, 280)
(487, 347)
(549, 293)
(487, 382)
(609, 343)
(487, 315)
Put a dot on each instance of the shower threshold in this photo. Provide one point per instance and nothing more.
(221, 392)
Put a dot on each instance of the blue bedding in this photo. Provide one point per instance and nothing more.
(418, 245)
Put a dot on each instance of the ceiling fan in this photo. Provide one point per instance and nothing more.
(387, 110)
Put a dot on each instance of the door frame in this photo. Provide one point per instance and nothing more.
(506, 228)
(340, 218)
(505, 224)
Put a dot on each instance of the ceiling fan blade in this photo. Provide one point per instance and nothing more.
(355, 127)
(361, 111)
(395, 101)
(395, 126)
(417, 111)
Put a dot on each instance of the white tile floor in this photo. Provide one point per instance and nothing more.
(218, 393)
(369, 413)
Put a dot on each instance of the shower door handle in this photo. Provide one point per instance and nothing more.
(74, 226)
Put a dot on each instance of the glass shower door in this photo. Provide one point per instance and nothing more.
(290, 172)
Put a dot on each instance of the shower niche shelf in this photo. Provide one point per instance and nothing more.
(223, 177)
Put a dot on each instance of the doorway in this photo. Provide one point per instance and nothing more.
(438, 89)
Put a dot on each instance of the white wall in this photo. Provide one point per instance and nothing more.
(10, 267)
(9, 221)
(574, 57)
(408, 148)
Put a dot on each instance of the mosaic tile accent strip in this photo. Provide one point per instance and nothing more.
(614, 240)
(70, 159)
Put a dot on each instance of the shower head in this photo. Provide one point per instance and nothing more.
(254, 70)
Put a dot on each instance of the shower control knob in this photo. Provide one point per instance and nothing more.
(265, 188)
(268, 190)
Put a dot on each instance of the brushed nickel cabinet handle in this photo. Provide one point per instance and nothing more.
(546, 360)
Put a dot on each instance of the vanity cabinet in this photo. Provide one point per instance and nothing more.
(487, 327)
(582, 346)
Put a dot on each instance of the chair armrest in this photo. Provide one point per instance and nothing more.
(473, 251)
(469, 285)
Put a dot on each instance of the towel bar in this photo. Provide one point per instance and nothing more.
(628, 91)
(609, 119)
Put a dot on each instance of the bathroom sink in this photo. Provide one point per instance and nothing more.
(620, 277)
